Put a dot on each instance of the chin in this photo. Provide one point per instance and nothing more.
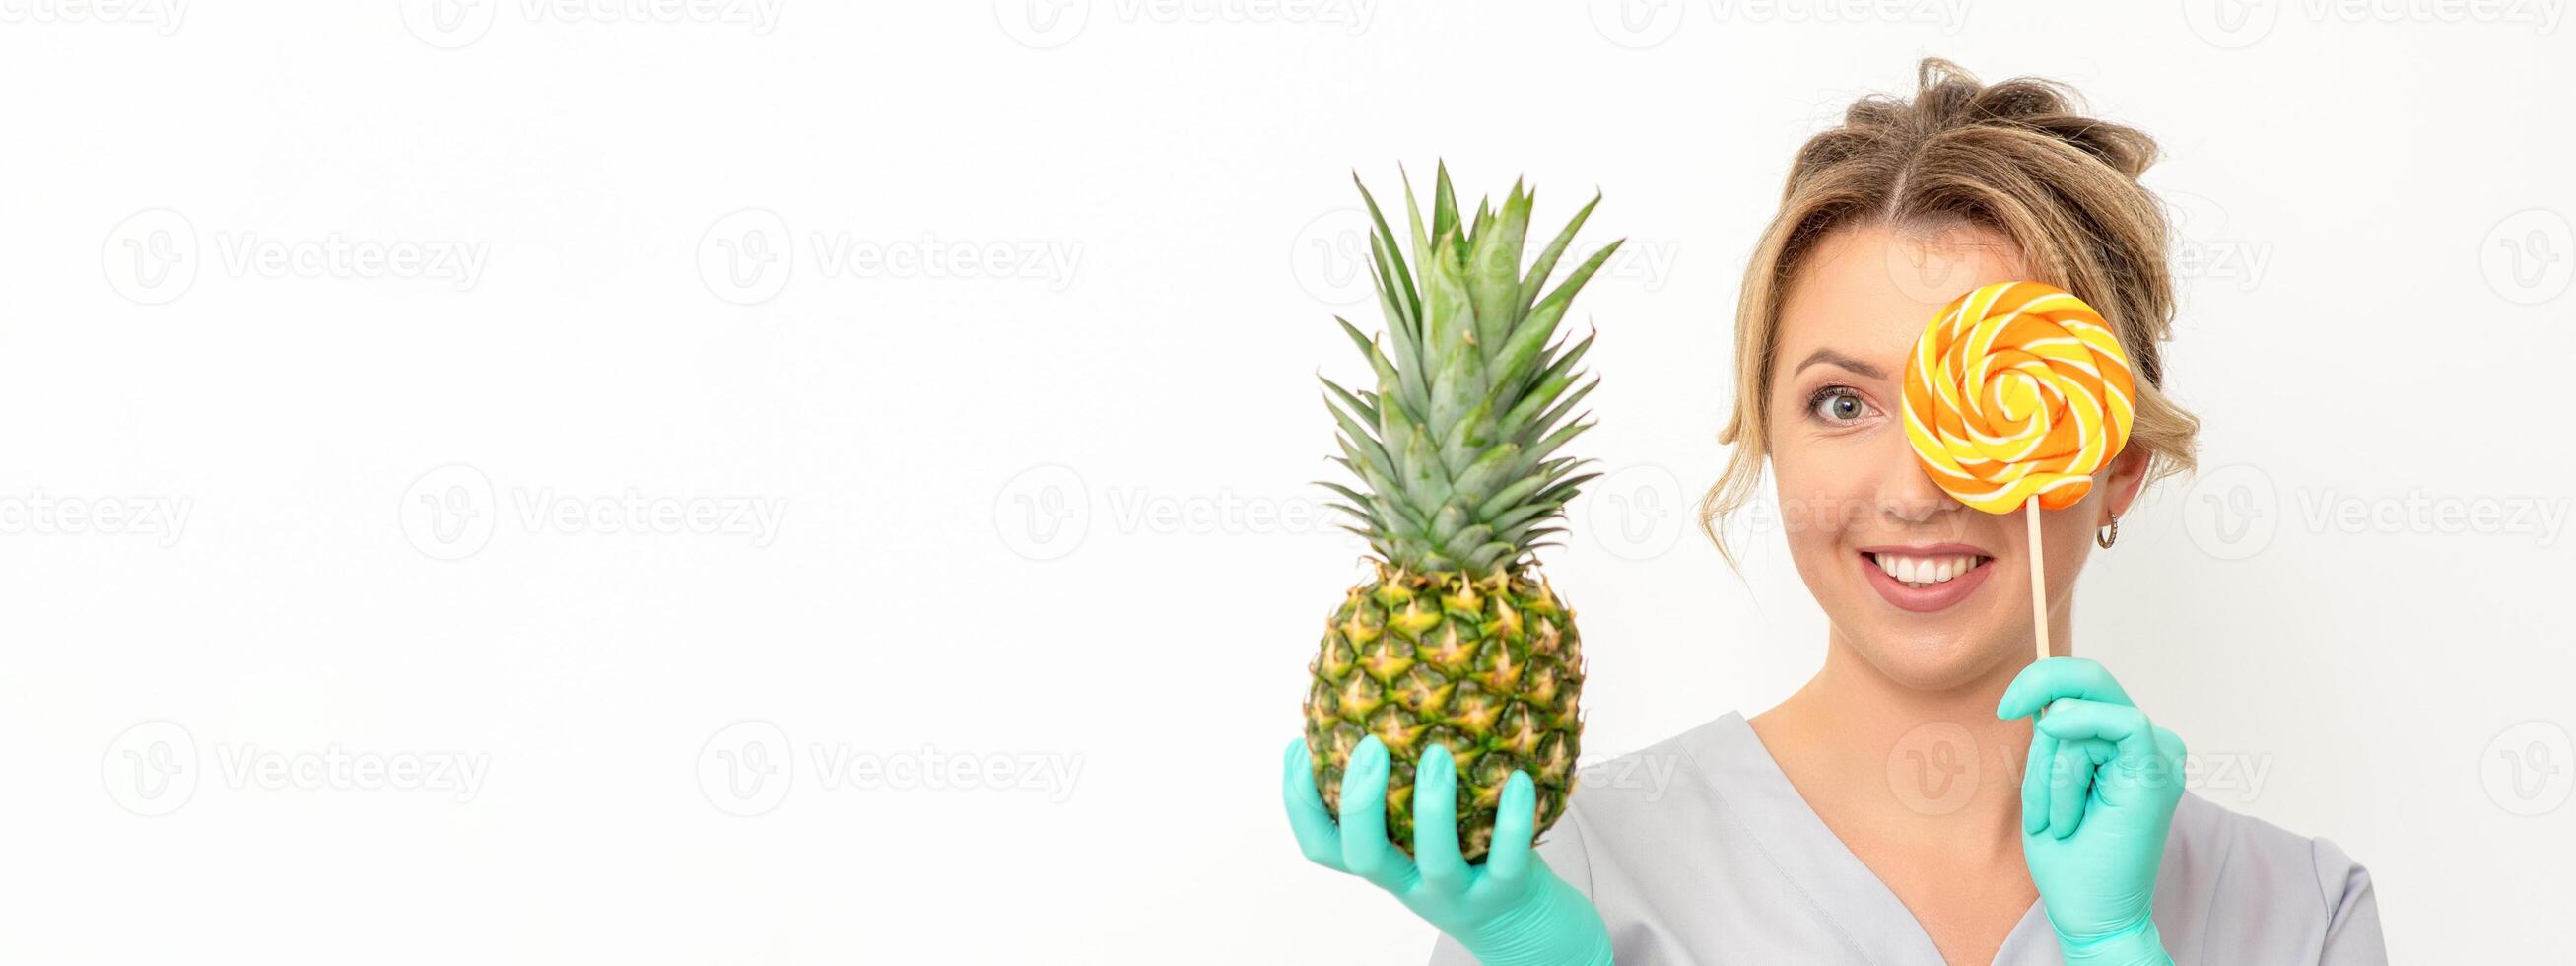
(1931, 659)
(1923, 637)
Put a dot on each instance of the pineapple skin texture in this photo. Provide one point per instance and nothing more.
(1490, 668)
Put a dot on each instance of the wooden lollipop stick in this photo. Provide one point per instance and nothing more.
(2038, 581)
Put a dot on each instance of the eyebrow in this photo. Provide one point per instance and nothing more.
(1839, 359)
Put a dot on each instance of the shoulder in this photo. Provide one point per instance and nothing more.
(2213, 844)
(1654, 778)
(2243, 889)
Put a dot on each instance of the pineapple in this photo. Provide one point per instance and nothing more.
(1457, 639)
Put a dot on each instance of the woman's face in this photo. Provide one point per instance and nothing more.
(1855, 502)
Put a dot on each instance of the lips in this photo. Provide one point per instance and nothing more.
(1925, 579)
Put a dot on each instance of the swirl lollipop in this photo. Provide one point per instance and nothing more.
(2015, 396)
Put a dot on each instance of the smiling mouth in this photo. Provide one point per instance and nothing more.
(1932, 570)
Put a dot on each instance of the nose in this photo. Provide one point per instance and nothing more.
(1906, 493)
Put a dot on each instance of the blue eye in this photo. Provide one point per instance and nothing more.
(1837, 405)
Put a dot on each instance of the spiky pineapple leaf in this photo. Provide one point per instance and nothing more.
(1455, 447)
(1539, 270)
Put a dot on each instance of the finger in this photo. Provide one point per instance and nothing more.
(2070, 786)
(2137, 763)
(1317, 836)
(1365, 850)
(2058, 677)
(2170, 745)
(2176, 757)
(2125, 727)
(2034, 781)
(1435, 822)
(1507, 864)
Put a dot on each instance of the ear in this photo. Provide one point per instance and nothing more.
(2120, 486)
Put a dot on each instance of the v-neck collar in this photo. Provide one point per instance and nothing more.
(1874, 923)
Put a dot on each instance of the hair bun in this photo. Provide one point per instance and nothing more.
(1948, 97)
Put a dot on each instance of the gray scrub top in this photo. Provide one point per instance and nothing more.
(1722, 862)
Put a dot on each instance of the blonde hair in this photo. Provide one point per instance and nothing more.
(2014, 157)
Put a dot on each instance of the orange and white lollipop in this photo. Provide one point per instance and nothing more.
(2017, 393)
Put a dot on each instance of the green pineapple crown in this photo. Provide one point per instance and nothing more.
(1454, 446)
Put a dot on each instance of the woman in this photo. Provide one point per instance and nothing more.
(1776, 839)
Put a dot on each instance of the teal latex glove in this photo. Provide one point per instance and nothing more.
(1509, 911)
(2097, 799)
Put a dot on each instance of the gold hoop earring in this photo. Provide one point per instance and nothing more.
(2108, 535)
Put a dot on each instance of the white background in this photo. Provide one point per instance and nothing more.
(1053, 512)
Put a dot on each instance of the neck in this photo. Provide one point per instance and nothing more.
(1933, 765)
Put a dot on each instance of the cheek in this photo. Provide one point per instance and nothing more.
(1824, 488)
(2069, 533)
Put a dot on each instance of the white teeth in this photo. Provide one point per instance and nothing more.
(1924, 571)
